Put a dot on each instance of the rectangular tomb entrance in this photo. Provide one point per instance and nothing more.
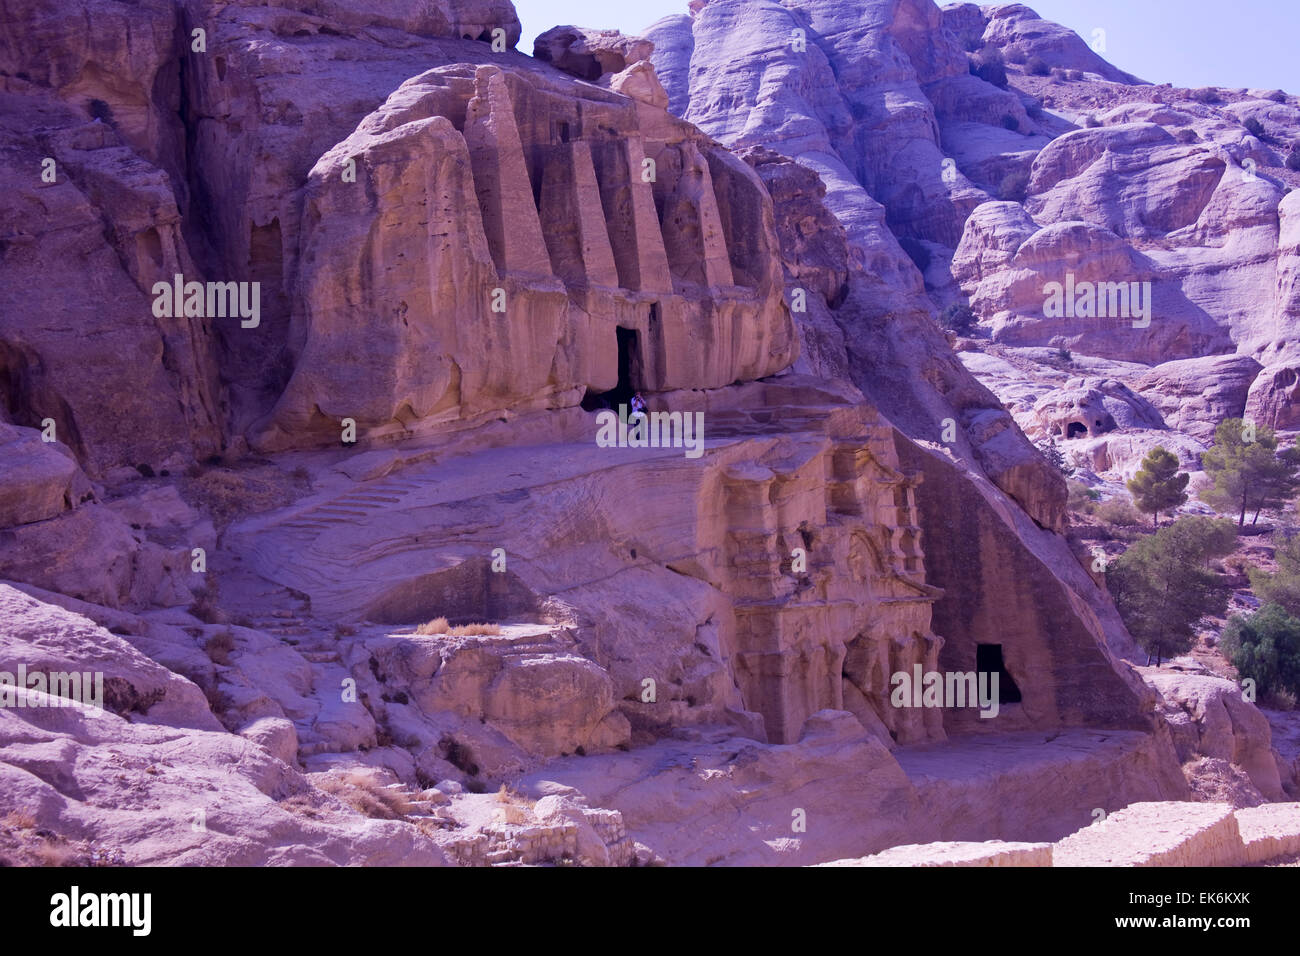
(988, 659)
(631, 374)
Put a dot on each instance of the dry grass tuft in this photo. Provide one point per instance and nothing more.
(205, 606)
(364, 796)
(512, 796)
(440, 625)
(56, 854)
(228, 494)
(18, 820)
(219, 646)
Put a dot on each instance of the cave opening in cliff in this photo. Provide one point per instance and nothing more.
(1076, 430)
(988, 660)
(630, 376)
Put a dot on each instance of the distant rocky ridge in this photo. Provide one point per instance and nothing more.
(1123, 181)
(462, 252)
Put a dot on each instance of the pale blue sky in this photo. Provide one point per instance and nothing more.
(1243, 43)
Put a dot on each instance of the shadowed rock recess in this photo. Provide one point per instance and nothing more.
(315, 319)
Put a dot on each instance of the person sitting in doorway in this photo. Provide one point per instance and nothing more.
(638, 409)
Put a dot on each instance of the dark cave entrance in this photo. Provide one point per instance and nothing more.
(630, 374)
(1076, 430)
(988, 659)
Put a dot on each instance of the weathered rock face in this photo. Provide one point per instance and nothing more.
(1209, 718)
(469, 19)
(82, 771)
(815, 254)
(605, 57)
(813, 102)
(1031, 606)
(1092, 407)
(1159, 215)
(1146, 195)
(1015, 27)
(95, 555)
(759, 630)
(1077, 285)
(1192, 394)
(1165, 186)
(987, 438)
(113, 168)
(533, 687)
(92, 225)
(37, 480)
(590, 54)
(550, 192)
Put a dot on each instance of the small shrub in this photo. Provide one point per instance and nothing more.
(56, 854)
(19, 820)
(219, 646)
(1091, 122)
(1037, 66)
(1065, 355)
(205, 604)
(475, 630)
(1081, 497)
(228, 494)
(1236, 564)
(1074, 75)
(219, 702)
(1186, 136)
(344, 630)
(1119, 513)
(365, 796)
(439, 625)
(1056, 458)
(989, 66)
(1014, 186)
(1017, 55)
(959, 319)
(1293, 159)
(1206, 94)
(1265, 647)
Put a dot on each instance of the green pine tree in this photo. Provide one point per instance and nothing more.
(1247, 471)
(1162, 585)
(1265, 646)
(1280, 587)
(1158, 486)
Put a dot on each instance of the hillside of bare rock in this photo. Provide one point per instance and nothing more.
(315, 319)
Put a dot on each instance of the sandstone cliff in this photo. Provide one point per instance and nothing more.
(461, 252)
